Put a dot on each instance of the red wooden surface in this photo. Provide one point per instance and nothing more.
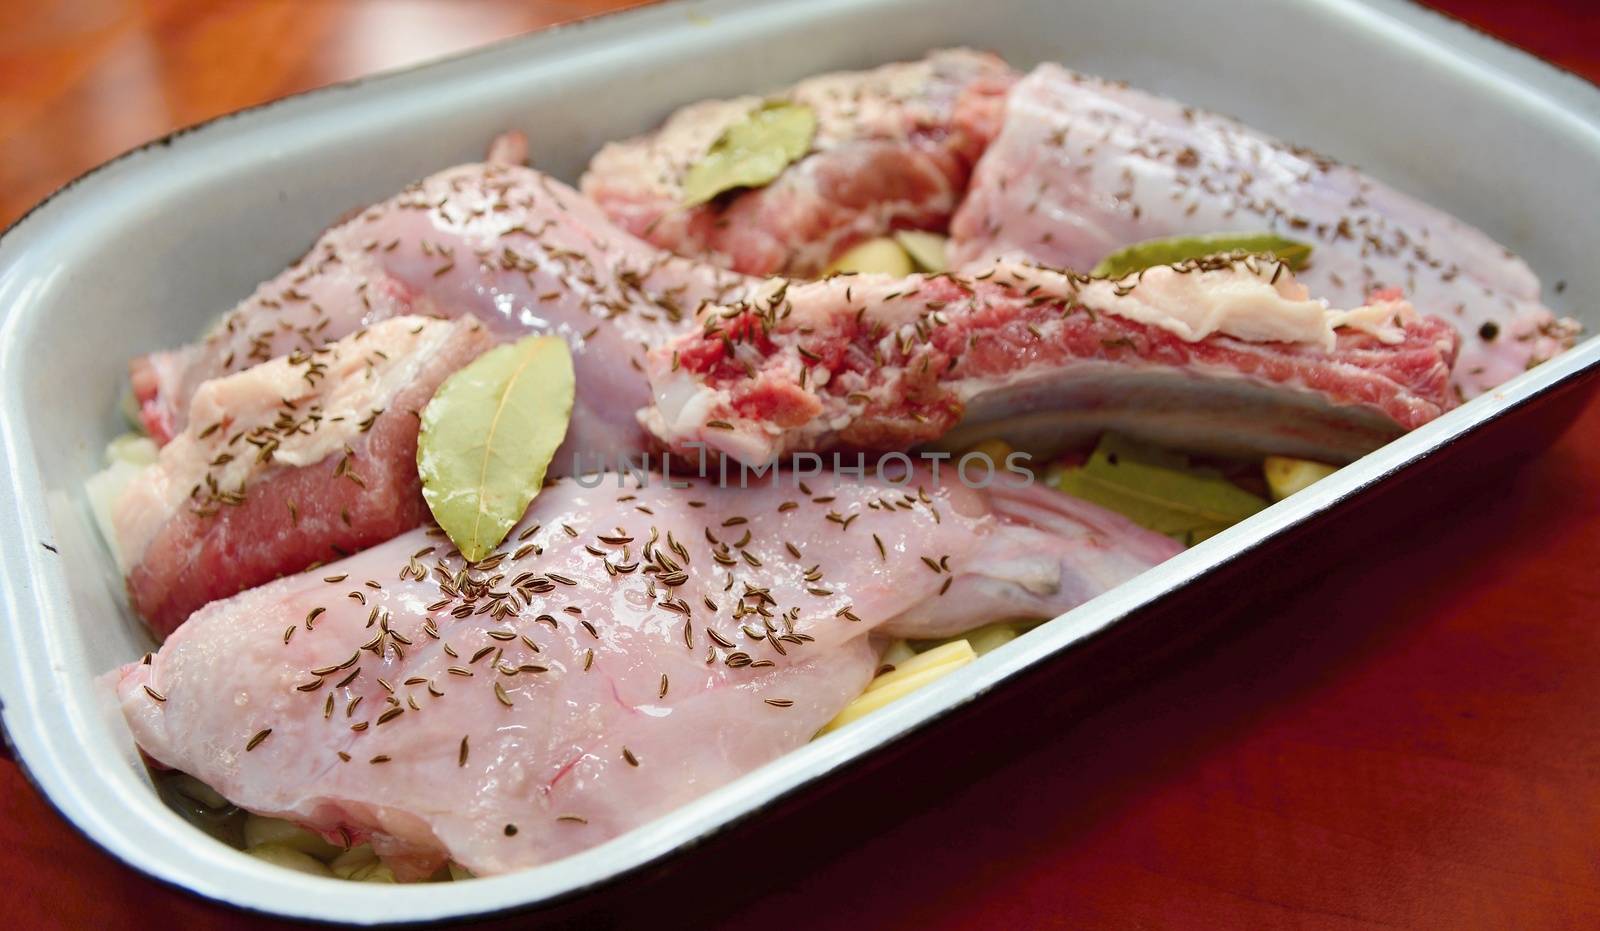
(1409, 740)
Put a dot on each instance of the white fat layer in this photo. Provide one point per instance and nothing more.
(1252, 301)
(349, 381)
(683, 409)
(1249, 300)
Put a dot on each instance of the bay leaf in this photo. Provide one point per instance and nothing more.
(751, 152)
(1173, 249)
(1158, 489)
(487, 438)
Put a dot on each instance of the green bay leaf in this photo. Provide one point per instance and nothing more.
(751, 152)
(1158, 489)
(1167, 251)
(487, 438)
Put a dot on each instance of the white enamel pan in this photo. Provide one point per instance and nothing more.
(140, 253)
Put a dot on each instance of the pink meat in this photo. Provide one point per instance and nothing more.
(894, 149)
(190, 531)
(522, 252)
(1084, 167)
(628, 650)
(871, 362)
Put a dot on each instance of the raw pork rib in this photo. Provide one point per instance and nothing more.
(626, 652)
(1084, 167)
(298, 460)
(524, 253)
(1225, 355)
(894, 149)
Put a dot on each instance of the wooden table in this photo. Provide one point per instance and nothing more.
(1413, 740)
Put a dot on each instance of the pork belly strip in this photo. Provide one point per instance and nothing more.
(628, 649)
(894, 149)
(1228, 356)
(524, 253)
(294, 461)
(1085, 166)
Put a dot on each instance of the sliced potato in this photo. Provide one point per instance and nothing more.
(103, 489)
(900, 685)
(881, 256)
(938, 656)
(361, 865)
(927, 250)
(259, 831)
(990, 636)
(899, 652)
(132, 448)
(126, 458)
(982, 639)
(353, 860)
(373, 873)
(196, 791)
(289, 859)
(1285, 476)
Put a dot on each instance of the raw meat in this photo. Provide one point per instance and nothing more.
(1085, 166)
(522, 252)
(1228, 356)
(294, 461)
(894, 149)
(629, 649)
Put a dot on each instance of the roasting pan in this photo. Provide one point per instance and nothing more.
(140, 253)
